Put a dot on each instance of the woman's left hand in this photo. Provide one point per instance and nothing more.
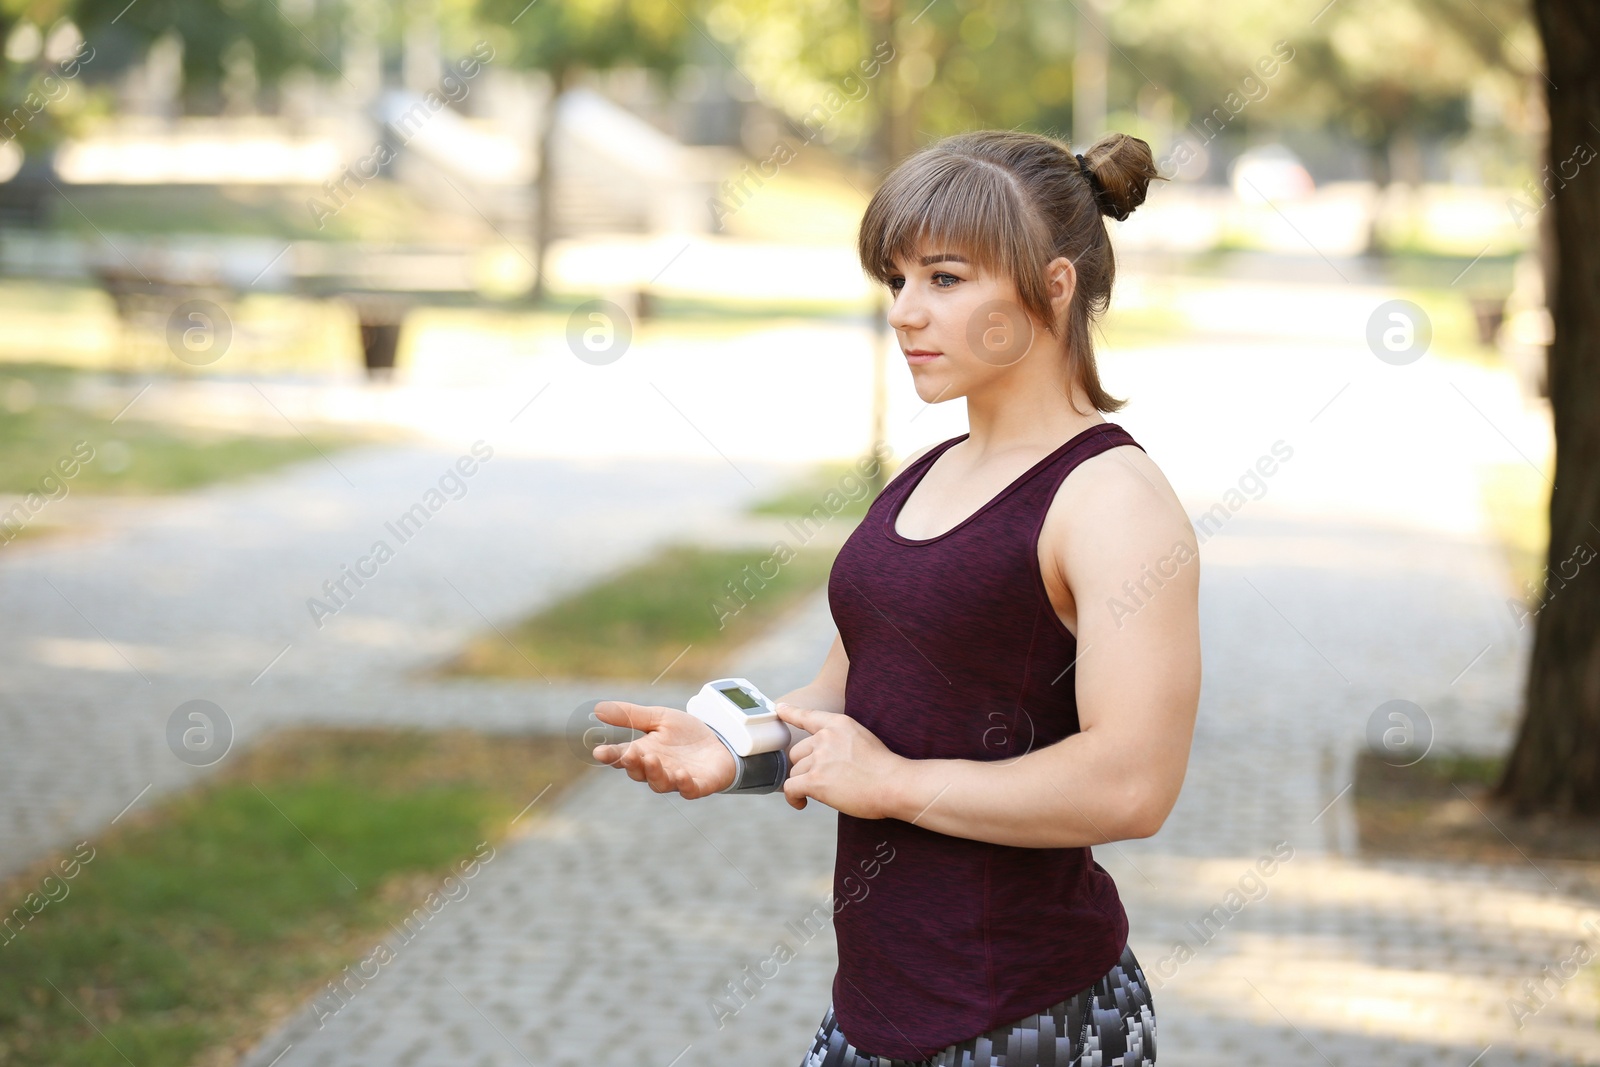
(841, 764)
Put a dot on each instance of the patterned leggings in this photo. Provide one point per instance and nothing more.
(1112, 1023)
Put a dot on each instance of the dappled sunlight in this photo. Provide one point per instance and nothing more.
(1320, 984)
(1412, 951)
(422, 375)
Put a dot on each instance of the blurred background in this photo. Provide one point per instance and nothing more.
(383, 384)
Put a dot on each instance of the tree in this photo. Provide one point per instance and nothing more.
(1384, 72)
(1555, 762)
(565, 37)
(120, 34)
(116, 34)
(68, 54)
(910, 70)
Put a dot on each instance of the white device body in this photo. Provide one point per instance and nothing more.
(742, 714)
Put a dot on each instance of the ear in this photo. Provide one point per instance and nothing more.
(1061, 282)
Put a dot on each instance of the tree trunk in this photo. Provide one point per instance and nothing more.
(1378, 161)
(544, 183)
(878, 18)
(1555, 764)
(1091, 56)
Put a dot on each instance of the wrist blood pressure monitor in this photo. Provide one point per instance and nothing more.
(741, 714)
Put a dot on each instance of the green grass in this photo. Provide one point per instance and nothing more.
(1463, 767)
(1454, 326)
(739, 311)
(1448, 273)
(673, 608)
(838, 489)
(1436, 283)
(1517, 504)
(40, 427)
(203, 921)
(78, 325)
(1145, 326)
(381, 211)
(1443, 808)
(674, 612)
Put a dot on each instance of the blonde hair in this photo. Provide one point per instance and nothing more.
(1012, 202)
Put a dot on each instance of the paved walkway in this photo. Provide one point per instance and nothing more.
(594, 943)
(1357, 574)
(604, 935)
(205, 598)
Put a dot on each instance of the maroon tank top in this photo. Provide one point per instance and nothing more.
(956, 653)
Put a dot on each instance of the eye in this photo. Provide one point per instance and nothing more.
(895, 283)
(944, 274)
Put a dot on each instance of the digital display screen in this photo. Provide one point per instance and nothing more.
(740, 697)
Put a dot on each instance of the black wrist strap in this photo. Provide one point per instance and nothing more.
(762, 772)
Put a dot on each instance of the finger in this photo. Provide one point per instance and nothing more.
(794, 792)
(802, 748)
(630, 762)
(636, 748)
(633, 716)
(663, 779)
(656, 774)
(809, 719)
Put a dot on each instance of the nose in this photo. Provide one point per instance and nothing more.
(907, 313)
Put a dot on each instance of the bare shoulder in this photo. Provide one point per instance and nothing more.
(1115, 513)
(1125, 474)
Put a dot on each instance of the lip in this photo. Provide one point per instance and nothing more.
(917, 355)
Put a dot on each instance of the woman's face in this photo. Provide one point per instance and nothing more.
(959, 328)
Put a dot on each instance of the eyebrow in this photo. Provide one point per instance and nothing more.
(940, 257)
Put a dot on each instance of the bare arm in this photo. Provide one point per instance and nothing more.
(1137, 678)
(825, 691)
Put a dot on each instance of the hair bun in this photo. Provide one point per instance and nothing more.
(1119, 168)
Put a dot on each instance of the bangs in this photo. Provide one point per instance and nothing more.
(1012, 203)
(943, 202)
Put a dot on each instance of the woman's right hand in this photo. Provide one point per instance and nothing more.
(678, 753)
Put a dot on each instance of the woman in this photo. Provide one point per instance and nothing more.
(1017, 668)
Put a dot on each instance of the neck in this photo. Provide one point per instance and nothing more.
(1028, 408)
